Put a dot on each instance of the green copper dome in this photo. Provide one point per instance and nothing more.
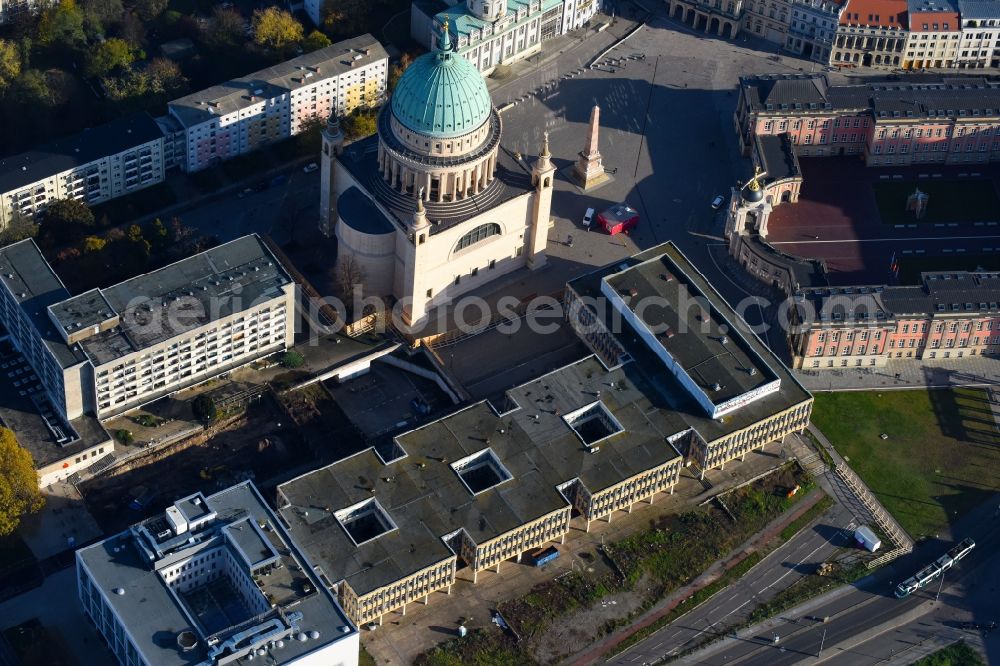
(441, 94)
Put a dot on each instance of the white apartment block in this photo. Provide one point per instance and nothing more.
(253, 111)
(107, 351)
(93, 166)
(980, 43)
(212, 581)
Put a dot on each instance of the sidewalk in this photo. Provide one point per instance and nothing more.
(710, 575)
(904, 374)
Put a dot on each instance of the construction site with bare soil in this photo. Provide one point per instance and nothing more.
(269, 440)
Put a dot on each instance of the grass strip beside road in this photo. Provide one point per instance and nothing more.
(956, 654)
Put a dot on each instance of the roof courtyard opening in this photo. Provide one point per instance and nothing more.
(365, 521)
(481, 471)
(593, 424)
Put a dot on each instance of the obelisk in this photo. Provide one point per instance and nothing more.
(588, 170)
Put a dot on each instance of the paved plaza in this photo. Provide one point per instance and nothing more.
(838, 220)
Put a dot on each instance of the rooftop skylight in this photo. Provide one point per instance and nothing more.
(593, 424)
(481, 471)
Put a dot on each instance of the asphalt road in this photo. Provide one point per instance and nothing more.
(873, 604)
(787, 564)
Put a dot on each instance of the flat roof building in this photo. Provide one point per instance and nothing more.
(94, 165)
(251, 111)
(484, 485)
(210, 581)
(655, 310)
(109, 350)
(492, 481)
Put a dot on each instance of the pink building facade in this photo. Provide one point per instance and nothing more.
(943, 318)
(890, 123)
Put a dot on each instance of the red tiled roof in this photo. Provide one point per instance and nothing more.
(924, 21)
(882, 13)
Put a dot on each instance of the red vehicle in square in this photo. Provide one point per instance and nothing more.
(620, 217)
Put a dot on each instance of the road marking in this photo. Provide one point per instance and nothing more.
(882, 240)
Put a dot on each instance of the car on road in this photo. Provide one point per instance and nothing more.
(246, 192)
(309, 168)
(717, 202)
(588, 218)
(279, 180)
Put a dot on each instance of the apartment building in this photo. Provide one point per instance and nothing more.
(769, 19)
(812, 28)
(48, 388)
(950, 315)
(106, 351)
(979, 45)
(93, 166)
(871, 32)
(253, 111)
(934, 32)
(212, 581)
(939, 120)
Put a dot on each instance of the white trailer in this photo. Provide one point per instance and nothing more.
(866, 539)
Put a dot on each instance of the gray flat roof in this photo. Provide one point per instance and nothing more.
(25, 271)
(280, 79)
(696, 333)
(69, 152)
(940, 294)
(916, 97)
(778, 156)
(20, 414)
(790, 393)
(154, 617)
(427, 500)
(162, 304)
(359, 212)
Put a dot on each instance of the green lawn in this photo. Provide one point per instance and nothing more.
(939, 460)
(958, 654)
(949, 201)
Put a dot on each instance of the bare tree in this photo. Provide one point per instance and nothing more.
(348, 274)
